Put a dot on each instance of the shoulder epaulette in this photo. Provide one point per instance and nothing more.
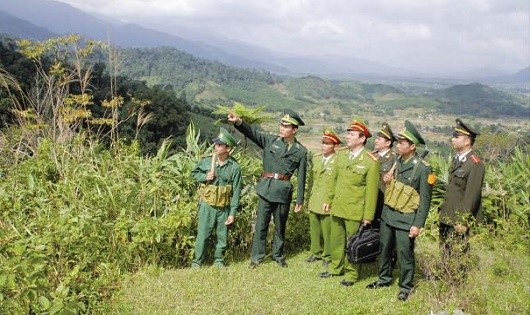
(425, 163)
(371, 155)
(475, 159)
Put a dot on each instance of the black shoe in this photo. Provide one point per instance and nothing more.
(403, 296)
(377, 284)
(346, 283)
(311, 259)
(253, 265)
(282, 263)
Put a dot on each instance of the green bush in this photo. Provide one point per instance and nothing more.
(77, 217)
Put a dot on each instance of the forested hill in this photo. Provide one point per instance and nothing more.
(212, 83)
(204, 84)
(169, 115)
(476, 98)
(166, 65)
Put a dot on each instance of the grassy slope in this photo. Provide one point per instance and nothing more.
(500, 286)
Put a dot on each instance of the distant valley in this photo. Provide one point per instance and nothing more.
(207, 76)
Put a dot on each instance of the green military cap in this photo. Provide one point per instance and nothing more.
(386, 132)
(463, 129)
(226, 138)
(411, 133)
(329, 134)
(360, 124)
(290, 117)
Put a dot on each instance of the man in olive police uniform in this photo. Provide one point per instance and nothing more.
(283, 156)
(462, 200)
(386, 157)
(220, 178)
(351, 199)
(320, 220)
(407, 201)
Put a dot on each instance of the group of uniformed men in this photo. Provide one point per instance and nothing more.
(386, 188)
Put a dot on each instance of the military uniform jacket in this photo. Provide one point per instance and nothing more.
(277, 159)
(321, 181)
(353, 196)
(464, 190)
(385, 164)
(226, 174)
(420, 183)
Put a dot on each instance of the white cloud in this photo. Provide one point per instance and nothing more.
(421, 35)
(324, 28)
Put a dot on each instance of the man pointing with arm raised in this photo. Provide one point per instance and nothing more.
(283, 156)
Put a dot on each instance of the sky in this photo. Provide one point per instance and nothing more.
(427, 36)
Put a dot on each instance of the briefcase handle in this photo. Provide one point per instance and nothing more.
(365, 228)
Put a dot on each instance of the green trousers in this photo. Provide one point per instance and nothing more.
(279, 213)
(210, 218)
(340, 230)
(393, 238)
(319, 232)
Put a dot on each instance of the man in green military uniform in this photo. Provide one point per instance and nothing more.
(220, 186)
(320, 220)
(351, 199)
(407, 200)
(386, 157)
(283, 156)
(462, 201)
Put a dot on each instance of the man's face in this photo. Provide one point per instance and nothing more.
(328, 147)
(287, 131)
(382, 144)
(354, 138)
(404, 147)
(459, 142)
(221, 149)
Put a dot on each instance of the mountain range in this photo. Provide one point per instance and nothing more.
(41, 19)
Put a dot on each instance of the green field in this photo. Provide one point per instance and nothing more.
(498, 285)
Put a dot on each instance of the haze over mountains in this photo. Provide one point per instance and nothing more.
(38, 19)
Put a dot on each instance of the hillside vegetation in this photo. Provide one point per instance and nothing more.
(476, 98)
(86, 211)
(209, 83)
(100, 98)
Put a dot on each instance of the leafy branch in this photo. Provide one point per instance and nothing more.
(247, 114)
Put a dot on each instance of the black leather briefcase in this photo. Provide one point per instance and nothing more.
(364, 245)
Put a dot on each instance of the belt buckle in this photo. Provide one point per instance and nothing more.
(276, 176)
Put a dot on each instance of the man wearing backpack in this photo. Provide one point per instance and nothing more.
(220, 186)
(407, 200)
